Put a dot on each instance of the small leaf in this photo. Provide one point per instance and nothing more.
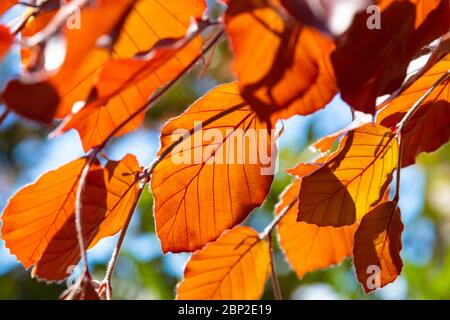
(429, 127)
(352, 180)
(235, 267)
(308, 247)
(377, 247)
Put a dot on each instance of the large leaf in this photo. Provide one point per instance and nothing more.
(365, 69)
(429, 127)
(352, 180)
(235, 267)
(283, 67)
(377, 247)
(210, 182)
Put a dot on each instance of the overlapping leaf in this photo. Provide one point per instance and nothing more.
(429, 127)
(283, 67)
(309, 247)
(235, 267)
(378, 245)
(373, 62)
(210, 181)
(352, 180)
(55, 96)
(38, 224)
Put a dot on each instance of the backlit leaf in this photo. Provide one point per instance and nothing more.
(283, 68)
(372, 62)
(309, 247)
(377, 247)
(210, 182)
(235, 267)
(352, 180)
(429, 127)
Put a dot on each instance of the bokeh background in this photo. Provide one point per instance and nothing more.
(144, 273)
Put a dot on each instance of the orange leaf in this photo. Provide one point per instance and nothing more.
(36, 213)
(235, 267)
(5, 5)
(74, 80)
(208, 182)
(377, 247)
(108, 200)
(6, 40)
(352, 180)
(429, 127)
(283, 68)
(308, 247)
(365, 69)
(39, 221)
(125, 86)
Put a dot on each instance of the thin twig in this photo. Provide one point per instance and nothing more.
(3, 116)
(268, 230)
(78, 210)
(401, 126)
(115, 256)
(274, 276)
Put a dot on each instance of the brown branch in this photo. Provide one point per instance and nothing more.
(4, 115)
(78, 210)
(273, 273)
(115, 256)
(268, 230)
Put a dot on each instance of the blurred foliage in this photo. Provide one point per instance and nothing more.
(154, 278)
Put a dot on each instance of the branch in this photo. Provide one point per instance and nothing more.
(274, 276)
(268, 230)
(401, 126)
(4, 115)
(78, 210)
(106, 284)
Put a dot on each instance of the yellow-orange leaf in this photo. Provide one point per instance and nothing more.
(235, 267)
(283, 67)
(209, 182)
(429, 127)
(309, 247)
(352, 180)
(377, 247)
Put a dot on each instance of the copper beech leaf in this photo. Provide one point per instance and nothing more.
(283, 67)
(38, 223)
(234, 267)
(352, 180)
(210, 181)
(429, 127)
(309, 247)
(406, 27)
(377, 247)
(6, 40)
